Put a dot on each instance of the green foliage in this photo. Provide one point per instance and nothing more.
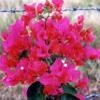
(46, 10)
(35, 92)
(69, 89)
(68, 97)
(69, 93)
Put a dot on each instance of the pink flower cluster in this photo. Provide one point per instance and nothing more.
(42, 32)
(59, 74)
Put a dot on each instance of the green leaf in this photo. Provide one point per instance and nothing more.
(63, 97)
(46, 10)
(68, 97)
(69, 89)
(51, 59)
(35, 92)
(40, 16)
(36, 97)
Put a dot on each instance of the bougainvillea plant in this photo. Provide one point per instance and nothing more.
(45, 50)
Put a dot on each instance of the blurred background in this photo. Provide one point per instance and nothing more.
(92, 18)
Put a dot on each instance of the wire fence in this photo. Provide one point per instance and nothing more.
(74, 9)
(92, 96)
(12, 10)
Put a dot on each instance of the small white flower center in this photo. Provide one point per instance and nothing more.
(21, 68)
(63, 61)
(65, 65)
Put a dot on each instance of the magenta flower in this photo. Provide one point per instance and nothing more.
(44, 48)
(92, 53)
(58, 3)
